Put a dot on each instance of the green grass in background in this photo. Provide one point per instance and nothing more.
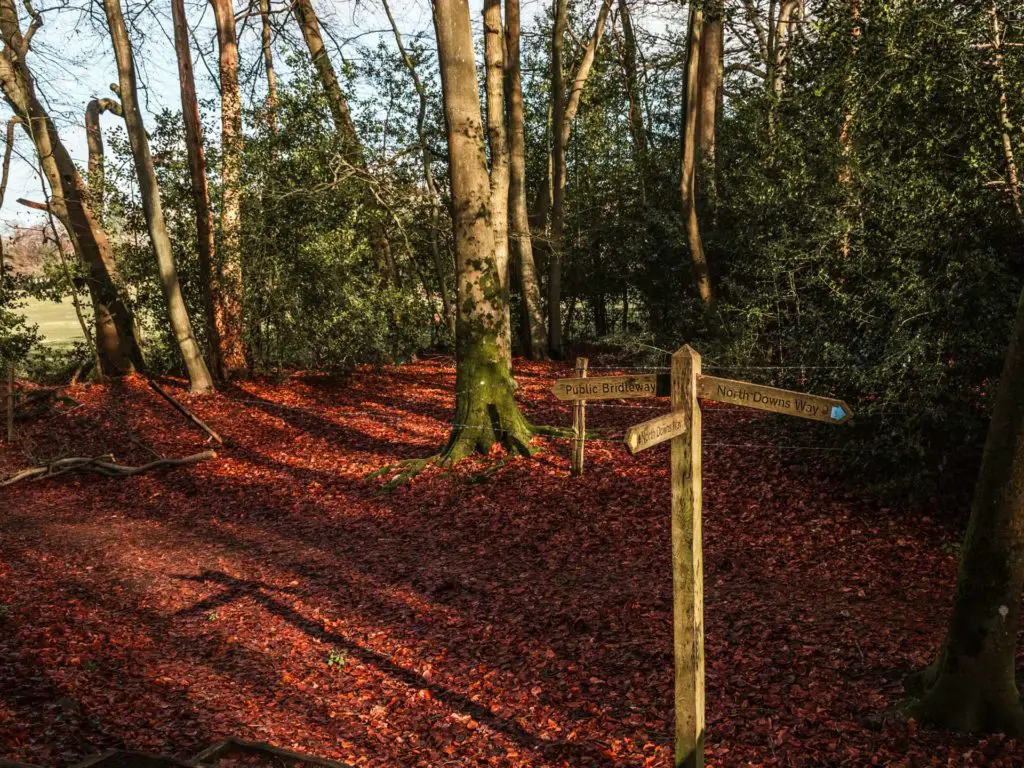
(57, 322)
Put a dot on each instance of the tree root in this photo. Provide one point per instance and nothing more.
(103, 465)
(406, 469)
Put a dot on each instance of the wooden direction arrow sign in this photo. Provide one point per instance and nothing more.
(773, 399)
(650, 433)
(609, 388)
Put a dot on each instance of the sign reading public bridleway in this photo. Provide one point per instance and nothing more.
(607, 388)
(772, 399)
(658, 430)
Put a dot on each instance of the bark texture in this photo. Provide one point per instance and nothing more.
(212, 297)
(486, 411)
(116, 340)
(149, 191)
(695, 131)
(231, 321)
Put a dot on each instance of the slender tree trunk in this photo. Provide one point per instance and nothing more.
(486, 411)
(266, 39)
(198, 373)
(521, 241)
(711, 50)
(497, 138)
(94, 143)
(116, 339)
(688, 190)
(212, 295)
(781, 35)
(1005, 124)
(972, 685)
(351, 147)
(558, 179)
(428, 174)
(638, 133)
(846, 132)
(231, 324)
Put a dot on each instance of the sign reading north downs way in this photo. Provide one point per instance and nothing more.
(609, 388)
(744, 393)
(658, 430)
(772, 399)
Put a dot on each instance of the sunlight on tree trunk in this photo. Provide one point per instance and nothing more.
(690, 160)
(208, 273)
(486, 412)
(497, 139)
(231, 325)
(198, 374)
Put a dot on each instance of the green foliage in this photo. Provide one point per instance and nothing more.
(910, 319)
(16, 337)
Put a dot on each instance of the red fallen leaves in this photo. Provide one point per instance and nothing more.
(517, 618)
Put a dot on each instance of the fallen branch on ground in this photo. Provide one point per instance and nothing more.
(184, 411)
(103, 465)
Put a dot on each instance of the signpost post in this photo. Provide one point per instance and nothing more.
(682, 425)
(579, 421)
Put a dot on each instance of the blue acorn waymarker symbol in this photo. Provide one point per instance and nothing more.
(838, 413)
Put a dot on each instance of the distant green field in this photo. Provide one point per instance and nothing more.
(57, 322)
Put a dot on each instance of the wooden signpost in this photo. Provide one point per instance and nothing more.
(579, 421)
(685, 385)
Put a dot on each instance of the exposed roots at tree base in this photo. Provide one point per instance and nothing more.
(463, 443)
(962, 705)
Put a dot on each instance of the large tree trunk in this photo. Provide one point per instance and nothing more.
(486, 411)
(231, 324)
(497, 139)
(972, 685)
(521, 242)
(688, 175)
(198, 373)
(212, 297)
(116, 340)
(351, 147)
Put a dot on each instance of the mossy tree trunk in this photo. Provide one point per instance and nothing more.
(972, 686)
(486, 411)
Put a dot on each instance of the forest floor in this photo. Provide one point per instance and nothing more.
(519, 617)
